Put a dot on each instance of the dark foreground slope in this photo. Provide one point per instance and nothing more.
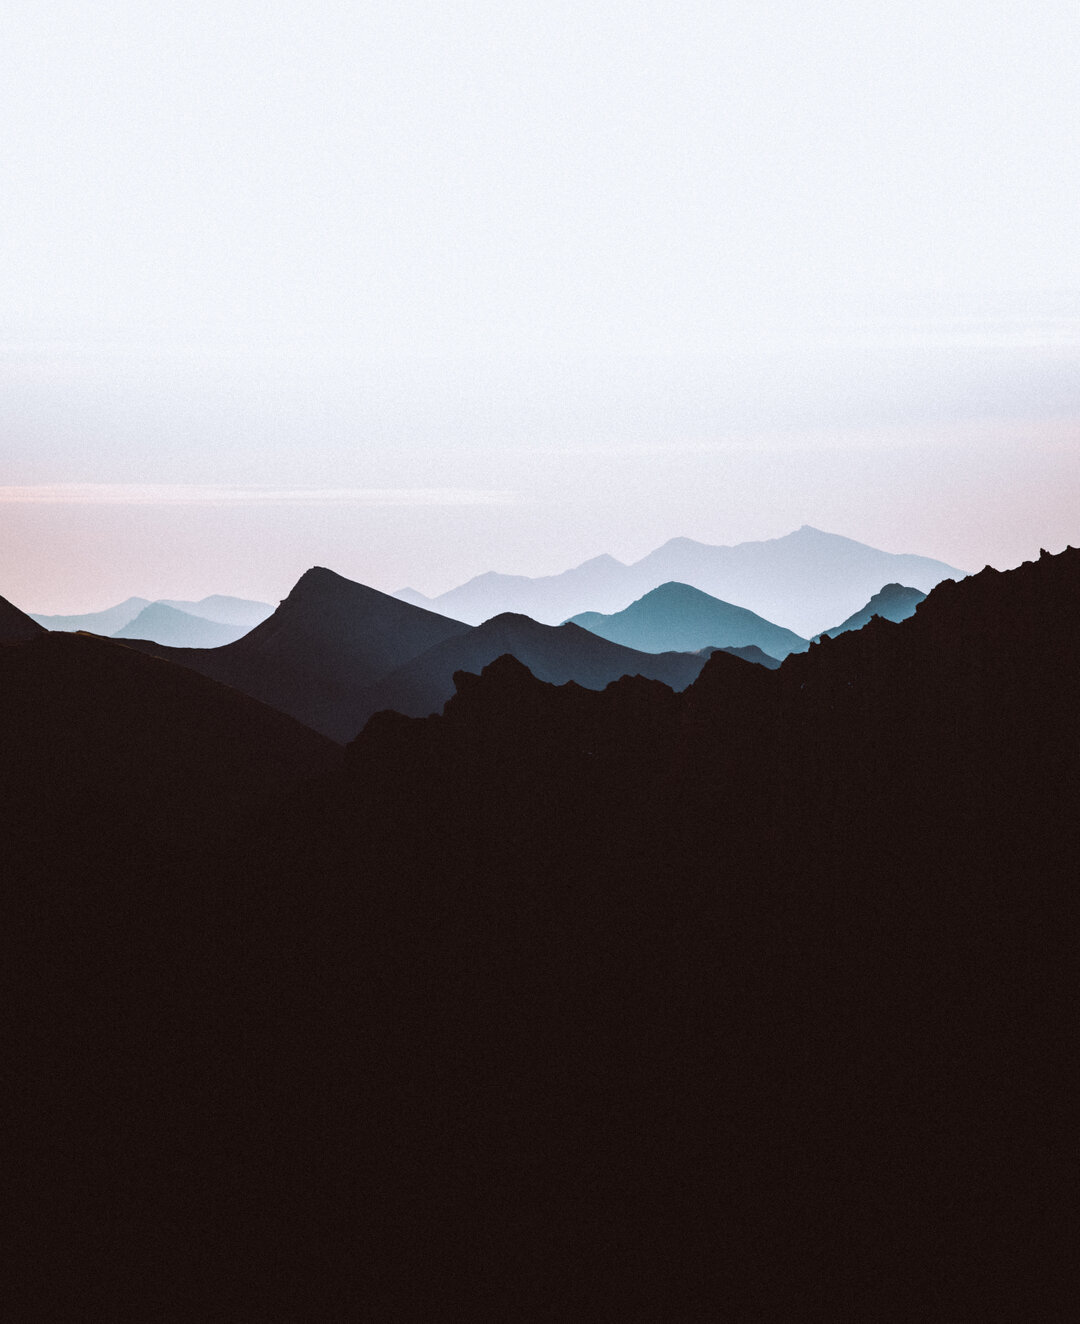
(554, 653)
(752, 1002)
(15, 625)
(106, 748)
(325, 643)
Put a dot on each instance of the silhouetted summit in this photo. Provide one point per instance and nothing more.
(552, 653)
(16, 625)
(680, 617)
(894, 602)
(327, 641)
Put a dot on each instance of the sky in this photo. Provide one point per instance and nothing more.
(419, 290)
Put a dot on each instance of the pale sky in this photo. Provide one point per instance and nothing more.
(417, 290)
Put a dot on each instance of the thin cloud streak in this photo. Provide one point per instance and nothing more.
(172, 494)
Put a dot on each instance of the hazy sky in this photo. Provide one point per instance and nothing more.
(419, 290)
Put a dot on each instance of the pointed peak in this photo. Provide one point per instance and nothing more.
(507, 618)
(603, 561)
(320, 585)
(683, 542)
(502, 674)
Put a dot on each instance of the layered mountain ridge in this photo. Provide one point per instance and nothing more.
(556, 654)
(801, 581)
(328, 640)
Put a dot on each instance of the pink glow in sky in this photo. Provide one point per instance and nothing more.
(417, 291)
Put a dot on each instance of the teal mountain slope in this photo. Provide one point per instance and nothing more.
(681, 618)
(895, 602)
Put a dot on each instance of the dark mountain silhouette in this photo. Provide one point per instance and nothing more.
(97, 622)
(754, 1001)
(554, 653)
(224, 610)
(678, 617)
(167, 625)
(16, 625)
(324, 645)
(801, 580)
(97, 730)
(752, 653)
(895, 602)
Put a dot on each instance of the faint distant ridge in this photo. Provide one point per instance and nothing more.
(166, 625)
(895, 602)
(240, 613)
(15, 625)
(314, 656)
(803, 581)
(552, 653)
(224, 610)
(682, 618)
(107, 621)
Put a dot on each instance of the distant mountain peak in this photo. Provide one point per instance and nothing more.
(602, 561)
(893, 602)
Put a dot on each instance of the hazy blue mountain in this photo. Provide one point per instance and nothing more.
(107, 621)
(323, 646)
(895, 602)
(553, 653)
(15, 625)
(677, 617)
(800, 581)
(166, 625)
(224, 610)
(598, 583)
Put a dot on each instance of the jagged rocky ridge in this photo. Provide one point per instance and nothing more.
(554, 653)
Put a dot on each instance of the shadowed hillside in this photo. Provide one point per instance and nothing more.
(314, 657)
(552, 653)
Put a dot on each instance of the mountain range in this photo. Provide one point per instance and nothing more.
(803, 581)
(336, 652)
(316, 655)
(556, 654)
(676, 616)
(752, 1001)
